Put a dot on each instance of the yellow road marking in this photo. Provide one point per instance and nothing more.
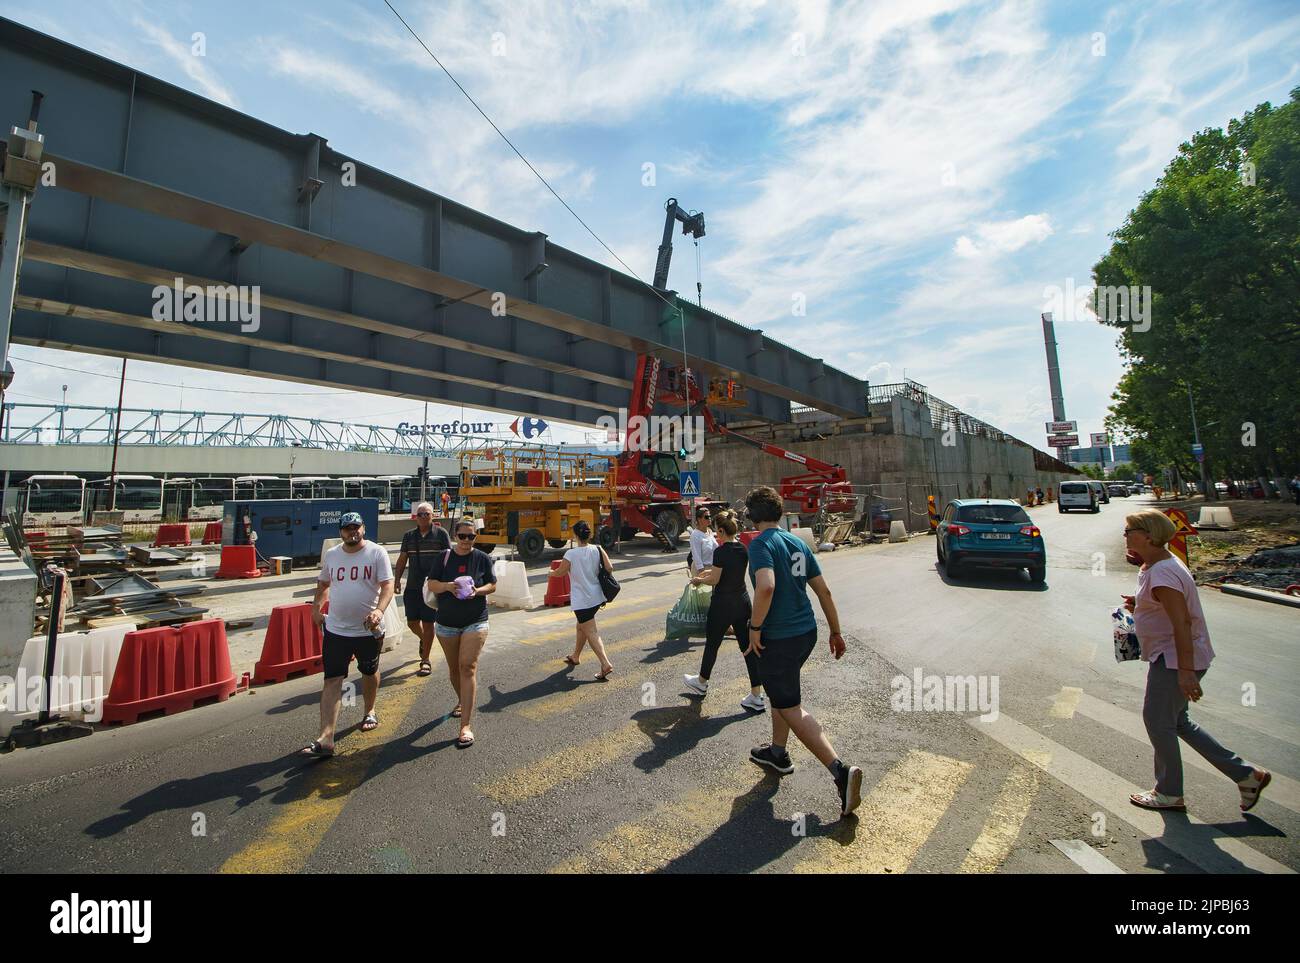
(286, 842)
(895, 818)
(567, 633)
(611, 648)
(994, 842)
(566, 765)
(1067, 700)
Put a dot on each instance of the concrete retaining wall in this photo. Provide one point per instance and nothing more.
(914, 456)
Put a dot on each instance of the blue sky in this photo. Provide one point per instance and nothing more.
(918, 173)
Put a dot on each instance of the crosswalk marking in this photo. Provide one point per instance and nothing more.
(611, 648)
(1184, 834)
(566, 765)
(1282, 790)
(567, 632)
(1087, 858)
(286, 842)
(1065, 703)
(895, 818)
(993, 845)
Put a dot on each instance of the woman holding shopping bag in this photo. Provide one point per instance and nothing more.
(1171, 631)
(582, 565)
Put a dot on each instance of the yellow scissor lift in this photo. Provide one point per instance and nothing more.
(532, 497)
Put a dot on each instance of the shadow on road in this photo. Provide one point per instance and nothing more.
(1193, 839)
(999, 580)
(753, 837)
(676, 730)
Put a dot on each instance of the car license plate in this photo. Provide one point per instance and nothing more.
(994, 535)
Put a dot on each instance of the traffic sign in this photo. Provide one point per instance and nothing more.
(690, 484)
(1099, 439)
(1062, 427)
(1198, 449)
(1063, 441)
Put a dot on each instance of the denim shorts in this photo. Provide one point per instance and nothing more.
(451, 631)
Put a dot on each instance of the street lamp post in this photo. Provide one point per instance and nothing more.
(1211, 493)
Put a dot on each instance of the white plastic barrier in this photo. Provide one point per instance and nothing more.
(806, 534)
(897, 531)
(512, 586)
(84, 663)
(1216, 517)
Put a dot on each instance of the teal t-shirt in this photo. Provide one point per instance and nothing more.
(792, 564)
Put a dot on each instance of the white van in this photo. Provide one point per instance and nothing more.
(1077, 494)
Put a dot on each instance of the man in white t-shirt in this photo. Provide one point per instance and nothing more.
(356, 579)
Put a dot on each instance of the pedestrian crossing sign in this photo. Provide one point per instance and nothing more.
(690, 484)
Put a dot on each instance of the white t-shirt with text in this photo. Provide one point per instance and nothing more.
(354, 579)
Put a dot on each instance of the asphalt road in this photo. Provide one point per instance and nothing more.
(570, 774)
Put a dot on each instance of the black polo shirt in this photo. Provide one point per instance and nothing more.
(421, 550)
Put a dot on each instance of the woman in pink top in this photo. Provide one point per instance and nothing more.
(1171, 630)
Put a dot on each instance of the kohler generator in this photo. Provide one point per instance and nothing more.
(293, 527)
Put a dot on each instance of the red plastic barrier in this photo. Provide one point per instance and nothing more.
(238, 561)
(171, 669)
(292, 645)
(746, 537)
(212, 534)
(557, 587)
(172, 535)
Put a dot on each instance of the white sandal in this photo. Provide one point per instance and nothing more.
(1155, 800)
(1252, 787)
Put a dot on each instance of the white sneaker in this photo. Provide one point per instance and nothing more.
(754, 703)
(695, 682)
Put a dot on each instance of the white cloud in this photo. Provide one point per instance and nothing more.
(181, 53)
(1003, 237)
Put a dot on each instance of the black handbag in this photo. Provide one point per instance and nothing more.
(608, 584)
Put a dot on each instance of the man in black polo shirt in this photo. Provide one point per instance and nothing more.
(420, 546)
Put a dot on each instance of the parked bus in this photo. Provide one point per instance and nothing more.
(53, 500)
(316, 486)
(376, 488)
(258, 487)
(139, 497)
(209, 495)
(178, 499)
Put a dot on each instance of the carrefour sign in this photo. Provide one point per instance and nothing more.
(447, 428)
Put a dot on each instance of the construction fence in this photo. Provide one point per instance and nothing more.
(877, 505)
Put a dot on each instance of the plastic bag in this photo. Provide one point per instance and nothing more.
(1127, 648)
(691, 613)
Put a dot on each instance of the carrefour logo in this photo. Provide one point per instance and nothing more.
(447, 428)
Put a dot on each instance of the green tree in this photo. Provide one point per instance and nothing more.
(1217, 241)
(1123, 472)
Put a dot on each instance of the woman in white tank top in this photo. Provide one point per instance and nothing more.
(582, 564)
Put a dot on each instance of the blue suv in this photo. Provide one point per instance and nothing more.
(994, 532)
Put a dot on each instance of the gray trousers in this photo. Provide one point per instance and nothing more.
(1165, 713)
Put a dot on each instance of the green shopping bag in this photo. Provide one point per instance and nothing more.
(691, 613)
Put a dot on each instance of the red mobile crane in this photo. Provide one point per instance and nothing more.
(647, 481)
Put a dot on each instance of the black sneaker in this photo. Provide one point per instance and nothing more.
(774, 759)
(849, 784)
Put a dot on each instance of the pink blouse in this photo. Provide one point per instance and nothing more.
(1154, 629)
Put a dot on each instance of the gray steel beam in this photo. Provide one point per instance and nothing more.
(77, 328)
(201, 164)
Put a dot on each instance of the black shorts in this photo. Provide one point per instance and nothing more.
(779, 665)
(413, 602)
(337, 651)
(586, 615)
